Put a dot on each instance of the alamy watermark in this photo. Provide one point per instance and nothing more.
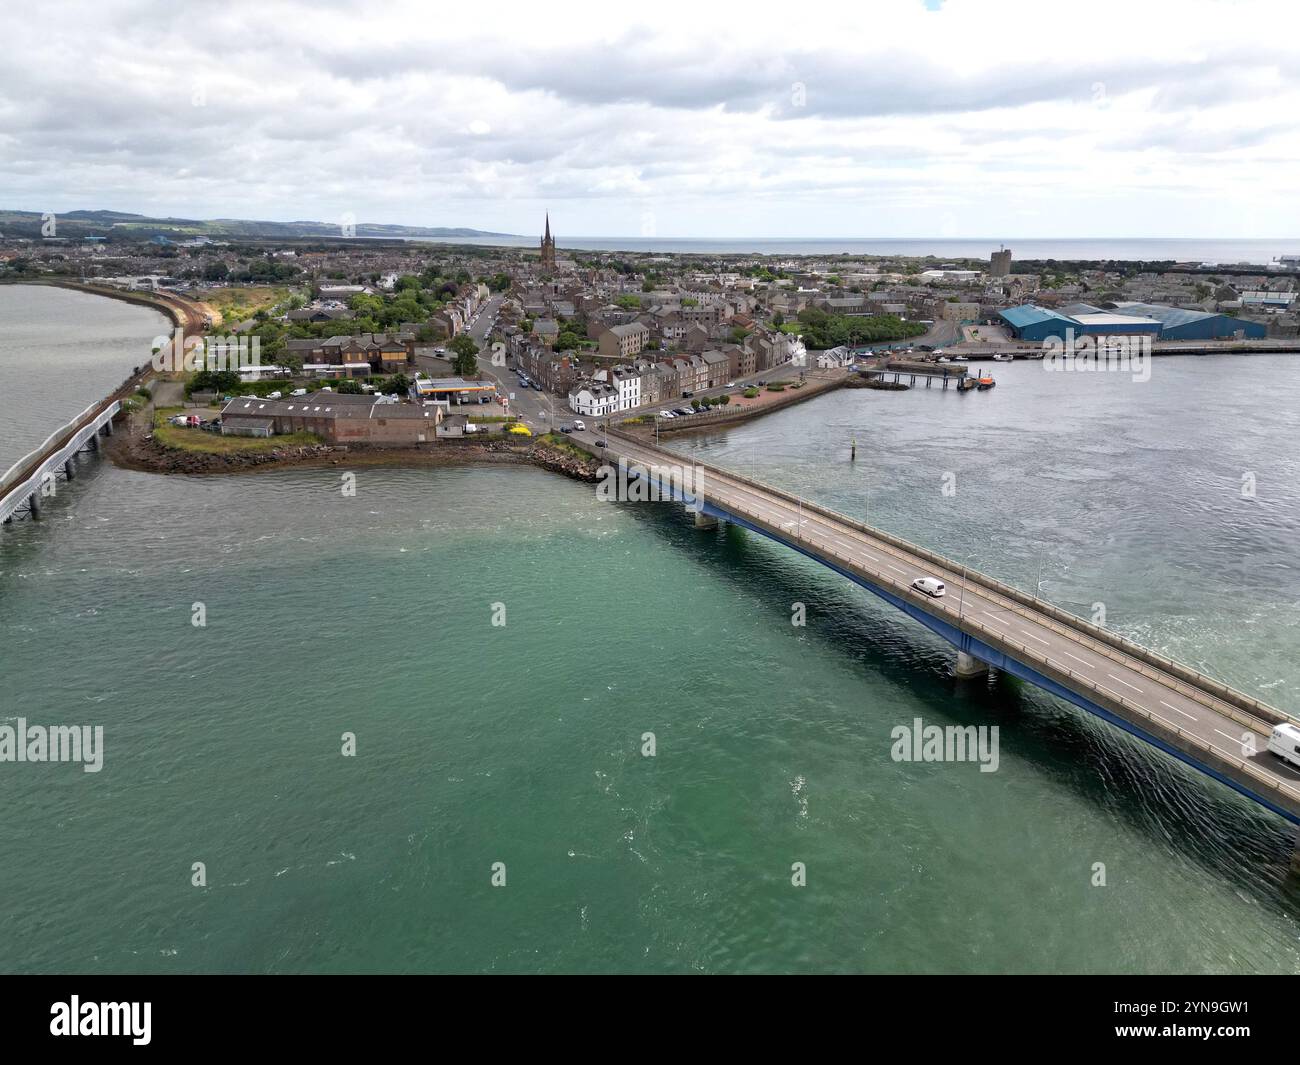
(920, 742)
(54, 743)
(179, 353)
(1088, 354)
(638, 483)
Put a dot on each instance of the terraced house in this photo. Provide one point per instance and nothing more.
(624, 341)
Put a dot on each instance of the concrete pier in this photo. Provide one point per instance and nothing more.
(704, 521)
(969, 666)
(69, 471)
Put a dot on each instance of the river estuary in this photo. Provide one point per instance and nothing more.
(521, 743)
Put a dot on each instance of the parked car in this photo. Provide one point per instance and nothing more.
(667, 414)
(686, 393)
(566, 428)
(931, 586)
(580, 426)
(273, 395)
(298, 392)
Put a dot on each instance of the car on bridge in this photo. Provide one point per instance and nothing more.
(931, 586)
(1285, 743)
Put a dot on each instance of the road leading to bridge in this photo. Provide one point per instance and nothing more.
(1193, 717)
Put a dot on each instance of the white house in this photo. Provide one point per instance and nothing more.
(593, 399)
(834, 358)
(628, 384)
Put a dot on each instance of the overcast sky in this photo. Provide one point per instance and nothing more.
(861, 118)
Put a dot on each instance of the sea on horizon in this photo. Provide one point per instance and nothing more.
(1225, 252)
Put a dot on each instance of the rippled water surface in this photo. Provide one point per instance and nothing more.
(522, 743)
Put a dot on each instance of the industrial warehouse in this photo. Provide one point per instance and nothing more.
(1034, 323)
(337, 419)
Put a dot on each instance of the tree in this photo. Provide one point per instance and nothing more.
(466, 352)
(216, 271)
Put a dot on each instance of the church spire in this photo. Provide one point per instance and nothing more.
(548, 246)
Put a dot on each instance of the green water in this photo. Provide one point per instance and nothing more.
(522, 743)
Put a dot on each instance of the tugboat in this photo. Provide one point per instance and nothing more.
(985, 381)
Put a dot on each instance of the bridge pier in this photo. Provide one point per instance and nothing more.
(108, 427)
(34, 504)
(969, 666)
(69, 471)
(93, 442)
(704, 521)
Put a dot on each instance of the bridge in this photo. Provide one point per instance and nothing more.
(33, 477)
(1206, 724)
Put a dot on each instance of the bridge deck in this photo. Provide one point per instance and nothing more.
(1190, 716)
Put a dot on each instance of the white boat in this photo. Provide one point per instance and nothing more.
(1003, 356)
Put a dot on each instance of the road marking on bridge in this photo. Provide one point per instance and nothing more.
(995, 618)
(896, 569)
(1038, 638)
(1084, 661)
(1177, 711)
(1126, 684)
(1113, 695)
(1235, 739)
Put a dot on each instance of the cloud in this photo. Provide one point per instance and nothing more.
(827, 119)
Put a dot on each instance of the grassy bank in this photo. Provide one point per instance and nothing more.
(237, 303)
(562, 443)
(197, 440)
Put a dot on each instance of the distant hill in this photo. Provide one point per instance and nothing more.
(119, 225)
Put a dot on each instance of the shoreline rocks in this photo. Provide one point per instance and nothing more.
(135, 447)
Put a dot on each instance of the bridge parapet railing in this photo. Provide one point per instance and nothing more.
(15, 473)
(1198, 681)
(1032, 658)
